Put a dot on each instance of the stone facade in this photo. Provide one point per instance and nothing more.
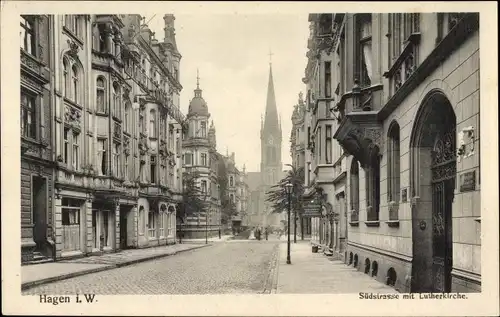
(37, 155)
(408, 109)
(115, 110)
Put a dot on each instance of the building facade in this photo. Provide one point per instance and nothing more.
(200, 158)
(115, 126)
(407, 104)
(326, 175)
(37, 149)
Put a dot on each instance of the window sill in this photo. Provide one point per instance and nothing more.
(354, 223)
(411, 42)
(392, 223)
(372, 223)
(117, 119)
(73, 36)
(478, 219)
(101, 114)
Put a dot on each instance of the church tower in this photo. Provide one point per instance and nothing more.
(270, 139)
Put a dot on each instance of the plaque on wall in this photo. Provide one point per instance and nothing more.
(468, 181)
(404, 195)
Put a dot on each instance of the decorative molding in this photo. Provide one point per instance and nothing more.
(73, 48)
(72, 116)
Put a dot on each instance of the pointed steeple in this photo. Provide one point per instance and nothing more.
(271, 118)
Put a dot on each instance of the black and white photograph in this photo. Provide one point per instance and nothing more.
(334, 151)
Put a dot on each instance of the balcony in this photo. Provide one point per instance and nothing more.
(360, 132)
(34, 68)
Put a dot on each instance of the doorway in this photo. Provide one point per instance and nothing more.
(124, 213)
(39, 205)
(433, 163)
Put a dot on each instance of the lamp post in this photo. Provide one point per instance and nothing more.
(288, 189)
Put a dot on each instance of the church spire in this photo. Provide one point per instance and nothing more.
(197, 91)
(271, 118)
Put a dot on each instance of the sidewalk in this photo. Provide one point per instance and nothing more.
(315, 273)
(37, 274)
(210, 240)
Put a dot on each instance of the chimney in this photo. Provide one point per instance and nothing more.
(169, 27)
(232, 157)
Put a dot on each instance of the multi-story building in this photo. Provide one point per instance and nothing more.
(408, 106)
(200, 159)
(327, 160)
(298, 154)
(37, 150)
(117, 134)
(244, 197)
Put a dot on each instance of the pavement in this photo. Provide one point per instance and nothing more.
(223, 238)
(315, 273)
(222, 268)
(37, 274)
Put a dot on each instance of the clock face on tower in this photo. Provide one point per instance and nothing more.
(270, 141)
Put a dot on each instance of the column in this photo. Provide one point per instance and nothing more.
(118, 43)
(58, 224)
(108, 38)
(135, 233)
(117, 225)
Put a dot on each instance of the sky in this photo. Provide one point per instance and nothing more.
(232, 53)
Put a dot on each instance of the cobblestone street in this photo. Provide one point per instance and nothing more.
(224, 268)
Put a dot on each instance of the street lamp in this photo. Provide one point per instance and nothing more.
(288, 189)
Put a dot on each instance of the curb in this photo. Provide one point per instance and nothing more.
(28, 285)
(271, 280)
(274, 285)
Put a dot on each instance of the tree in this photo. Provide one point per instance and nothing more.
(192, 200)
(279, 200)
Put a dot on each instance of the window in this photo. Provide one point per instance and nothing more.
(152, 123)
(153, 169)
(364, 60)
(116, 159)
(67, 90)
(116, 100)
(151, 224)
(204, 159)
(188, 158)
(328, 144)
(28, 122)
(27, 34)
(393, 168)
(203, 129)
(126, 164)
(101, 156)
(204, 188)
(128, 117)
(401, 27)
(70, 216)
(66, 145)
(71, 23)
(74, 78)
(141, 220)
(231, 181)
(141, 122)
(318, 137)
(101, 95)
(328, 80)
(141, 171)
(76, 151)
(373, 188)
(354, 190)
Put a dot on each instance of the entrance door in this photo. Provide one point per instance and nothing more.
(123, 227)
(443, 184)
(39, 203)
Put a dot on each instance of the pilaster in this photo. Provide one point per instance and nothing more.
(58, 224)
(117, 224)
(88, 223)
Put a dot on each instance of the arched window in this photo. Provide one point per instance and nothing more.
(373, 187)
(66, 88)
(393, 170)
(152, 123)
(354, 190)
(116, 100)
(74, 79)
(101, 95)
(128, 117)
